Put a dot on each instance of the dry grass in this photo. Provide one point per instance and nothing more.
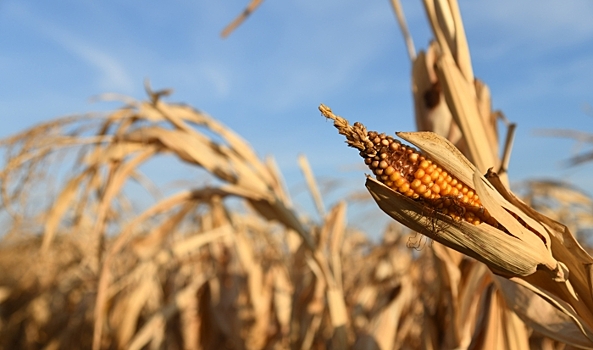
(190, 272)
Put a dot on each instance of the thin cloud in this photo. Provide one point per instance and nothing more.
(112, 74)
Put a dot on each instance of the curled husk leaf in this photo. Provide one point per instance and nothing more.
(520, 250)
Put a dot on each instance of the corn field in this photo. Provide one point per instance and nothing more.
(230, 263)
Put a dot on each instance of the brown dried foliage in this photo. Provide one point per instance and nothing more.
(190, 271)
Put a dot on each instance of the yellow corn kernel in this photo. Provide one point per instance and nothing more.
(412, 174)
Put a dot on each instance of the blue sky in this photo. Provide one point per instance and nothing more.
(266, 80)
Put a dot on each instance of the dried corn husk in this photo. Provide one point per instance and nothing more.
(544, 258)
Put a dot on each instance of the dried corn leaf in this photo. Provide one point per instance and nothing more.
(114, 152)
(485, 109)
(337, 307)
(311, 184)
(484, 243)
(383, 326)
(566, 249)
(337, 237)
(283, 291)
(499, 328)
(501, 210)
(150, 244)
(260, 293)
(189, 148)
(151, 330)
(192, 244)
(433, 20)
(432, 113)
(546, 313)
(137, 298)
(237, 146)
(476, 285)
(451, 25)
(461, 99)
(61, 206)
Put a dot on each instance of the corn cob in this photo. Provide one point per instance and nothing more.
(406, 170)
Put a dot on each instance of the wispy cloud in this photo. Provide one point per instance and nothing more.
(111, 73)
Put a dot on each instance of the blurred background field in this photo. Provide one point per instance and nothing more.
(156, 225)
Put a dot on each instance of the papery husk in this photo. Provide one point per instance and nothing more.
(543, 258)
(546, 313)
(577, 289)
(507, 256)
(504, 254)
(445, 154)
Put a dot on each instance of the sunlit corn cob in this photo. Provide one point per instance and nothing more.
(404, 169)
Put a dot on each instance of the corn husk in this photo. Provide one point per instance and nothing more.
(537, 259)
